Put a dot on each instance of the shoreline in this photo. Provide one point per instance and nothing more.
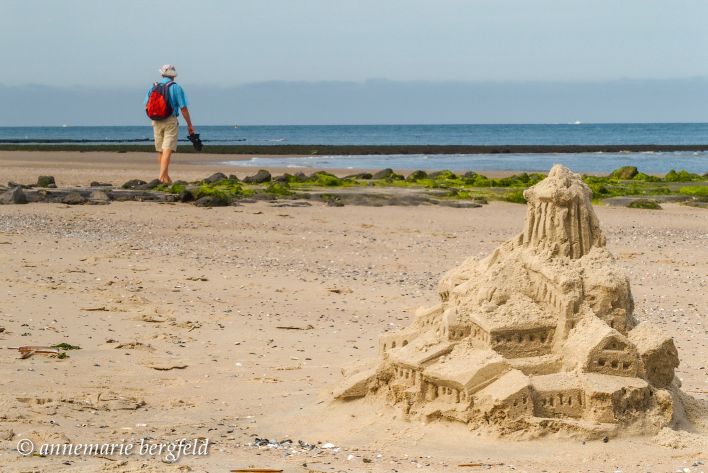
(77, 169)
(344, 150)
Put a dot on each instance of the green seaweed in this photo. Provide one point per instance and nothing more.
(279, 189)
(682, 176)
(516, 197)
(694, 191)
(644, 204)
(66, 346)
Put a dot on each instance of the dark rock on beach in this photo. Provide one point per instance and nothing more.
(625, 172)
(234, 177)
(148, 186)
(216, 177)
(99, 197)
(100, 184)
(133, 183)
(284, 179)
(444, 174)
(384, 174)
(186, 196)
(74, 198)
(46, 181)
(258, 178)
(416, 175)
(362, 175)
(13, 196)
(211, 201)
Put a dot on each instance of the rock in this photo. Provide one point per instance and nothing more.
(300, 177)
(258, 178)
(100, 184)
(13, 196)
(12, 184)
(624, 173)
(284, 179)
(99, 197)
(46, 181)
(73, 198)
(133, 183)
(234, 177)
(186, 196)
(216, 177)
(416, 175)
(644, 204)
(383, 174)
(211, 201)
(445, 174)
(364, 176)
(148, 185)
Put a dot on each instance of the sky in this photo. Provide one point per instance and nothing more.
(77, 45)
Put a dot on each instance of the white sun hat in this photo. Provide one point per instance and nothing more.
(168, 70)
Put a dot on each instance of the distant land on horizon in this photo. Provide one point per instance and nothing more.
(376, 102)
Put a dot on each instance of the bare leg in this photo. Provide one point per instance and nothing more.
(165, 165)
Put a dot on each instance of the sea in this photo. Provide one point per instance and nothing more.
(517, 134)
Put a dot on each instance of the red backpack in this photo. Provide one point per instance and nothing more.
(158, 105)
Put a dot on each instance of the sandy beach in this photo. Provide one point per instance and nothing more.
(235, 323)
(74, 169)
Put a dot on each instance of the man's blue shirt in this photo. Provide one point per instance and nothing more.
(177, 97)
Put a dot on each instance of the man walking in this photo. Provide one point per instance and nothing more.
(163, 102)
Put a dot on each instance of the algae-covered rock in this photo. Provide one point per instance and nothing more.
(258, 178)
(46, 181)
(211, 201)
(216, 177)
(387, 173)
(417, 175)
(625, 172)
(644, 204)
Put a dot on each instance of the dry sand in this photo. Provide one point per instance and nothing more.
(207, 289)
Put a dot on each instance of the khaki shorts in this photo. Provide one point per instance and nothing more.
(166, 133)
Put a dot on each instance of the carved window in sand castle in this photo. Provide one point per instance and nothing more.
(614, 358)
(528, 338)
(561, 403)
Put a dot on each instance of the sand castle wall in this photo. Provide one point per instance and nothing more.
(540, 334)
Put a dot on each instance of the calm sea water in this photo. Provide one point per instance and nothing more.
(651, 163)
(581, 134)
(559, 134)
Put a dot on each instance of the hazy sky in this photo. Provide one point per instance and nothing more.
(228, 42)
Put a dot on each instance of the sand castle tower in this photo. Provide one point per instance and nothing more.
(538, 336)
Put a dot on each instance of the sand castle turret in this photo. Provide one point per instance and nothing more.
(537, 336)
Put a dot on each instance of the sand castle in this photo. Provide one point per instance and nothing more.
(537, 337)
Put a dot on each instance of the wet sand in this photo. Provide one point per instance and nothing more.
(74, 168)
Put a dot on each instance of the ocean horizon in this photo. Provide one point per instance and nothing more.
(668, 134)
(472, 134)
